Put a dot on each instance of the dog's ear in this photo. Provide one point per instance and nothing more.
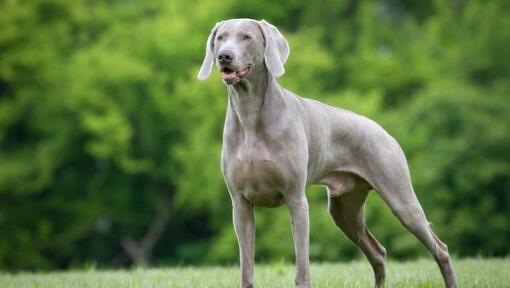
(276, 48)
(207, 65)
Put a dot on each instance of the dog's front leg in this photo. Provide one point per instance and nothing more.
(244, 225)
(300, 231)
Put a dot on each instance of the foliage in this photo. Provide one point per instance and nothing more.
(109, 146)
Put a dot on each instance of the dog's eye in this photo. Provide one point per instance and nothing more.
(219, 38)
(246, 37)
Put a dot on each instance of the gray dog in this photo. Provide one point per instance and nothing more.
(276, 143)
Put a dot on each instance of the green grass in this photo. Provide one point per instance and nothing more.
(422, 273)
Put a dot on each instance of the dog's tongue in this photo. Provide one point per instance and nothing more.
(229, 75)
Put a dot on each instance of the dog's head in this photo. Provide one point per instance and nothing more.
(238, 46)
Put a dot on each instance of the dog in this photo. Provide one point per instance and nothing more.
(276, 143)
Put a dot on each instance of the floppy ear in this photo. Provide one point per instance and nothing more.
(207, 65)
(276, 48)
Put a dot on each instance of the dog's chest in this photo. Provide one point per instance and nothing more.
(256, 172)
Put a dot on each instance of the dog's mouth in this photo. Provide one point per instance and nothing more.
(231, 76)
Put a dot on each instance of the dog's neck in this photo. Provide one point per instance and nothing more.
(247, 100)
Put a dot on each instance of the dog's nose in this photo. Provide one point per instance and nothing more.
(226, 56)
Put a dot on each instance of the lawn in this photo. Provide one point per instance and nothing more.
(422, 273)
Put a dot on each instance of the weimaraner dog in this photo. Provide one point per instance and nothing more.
(276, 143)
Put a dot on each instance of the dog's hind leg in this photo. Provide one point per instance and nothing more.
(387, 172)
(404, 204)
(348, 214)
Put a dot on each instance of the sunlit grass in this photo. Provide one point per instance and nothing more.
(422, 273)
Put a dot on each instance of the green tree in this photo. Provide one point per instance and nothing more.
(109, 146)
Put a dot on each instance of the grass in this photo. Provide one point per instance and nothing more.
(422, 273)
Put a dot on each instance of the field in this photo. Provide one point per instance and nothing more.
(422, 273)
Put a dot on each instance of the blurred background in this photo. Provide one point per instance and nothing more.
(109, 145)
